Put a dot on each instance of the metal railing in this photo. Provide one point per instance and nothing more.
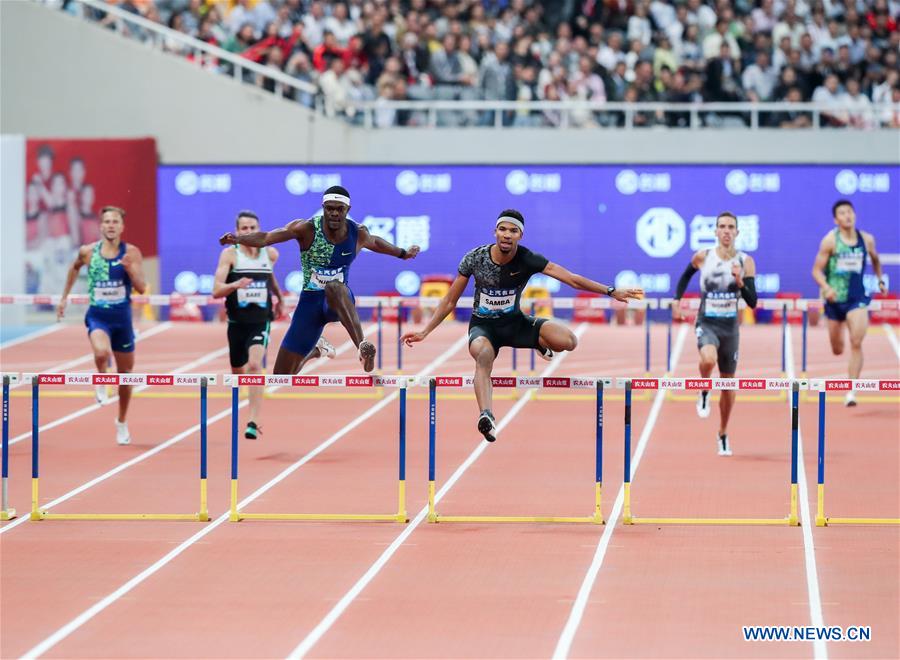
(160, 37)
(494, 114)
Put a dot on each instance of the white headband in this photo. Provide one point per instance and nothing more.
(335, 197)
(513, 221)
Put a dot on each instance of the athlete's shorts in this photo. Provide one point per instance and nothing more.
(726, 342)
(115, 324)
(309, 320)
(241, 336)
(838, 311)
(515, 331)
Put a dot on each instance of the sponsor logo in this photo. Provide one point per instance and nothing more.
(838, 385)
(645, 384)
(698, 383)
(78, 379)
(557, 382)
(279, 380)
(889, 385)
(752, 383)
(251, 379)
(155, 379)
(106, 379)
(529, 381)
(519, 182)
(848, 182)
(409, 182)
(305, 381)
(503, 381)
(448, 381)
(188, 182)
(131, 379)
(359, 381)
(583, 383)
(331, 380)
(298, 182)
(629, 182)
(660, 232)
(738, 182)
(778, 384)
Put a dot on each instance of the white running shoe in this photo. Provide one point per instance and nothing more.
(850, 399)
(326, 349)
(722, 443)
(367, 355)
(703, 407)
(123, 437)
(101, 394)
(545, 353)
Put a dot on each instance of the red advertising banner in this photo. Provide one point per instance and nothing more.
(67, 182)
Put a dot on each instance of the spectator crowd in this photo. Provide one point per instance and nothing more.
(840, 54)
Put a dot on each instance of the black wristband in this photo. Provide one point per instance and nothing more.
(402, 254)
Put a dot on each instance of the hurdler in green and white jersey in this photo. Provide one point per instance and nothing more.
(109, 291)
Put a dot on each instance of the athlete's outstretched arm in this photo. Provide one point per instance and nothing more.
(296, 230)
(381, 246)
(447, 305)
(581, 283)
(826, 247)
(83, 256)
(876, 260)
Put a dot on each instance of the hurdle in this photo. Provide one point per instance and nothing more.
(6, 513)
(596, 384)
(111, 379)
(697, 384)
(237, 381)
(822, 387)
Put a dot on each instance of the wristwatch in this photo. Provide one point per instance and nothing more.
(402, 254)
(610, 290)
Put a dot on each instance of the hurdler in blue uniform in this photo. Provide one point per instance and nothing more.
(329, 242)
(114, 269)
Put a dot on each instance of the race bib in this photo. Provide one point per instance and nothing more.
(850, 262)
(322, 276)
(111, 292)
(255, 294)
(720, 306)
(496, 302)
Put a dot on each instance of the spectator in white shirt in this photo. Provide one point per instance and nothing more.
(828, 95)
(791, 26)
(611, 52)
(340, 24)
(712, 44)
(858, 105)
(639, 25)
(760, 77)
(703, 16)
(314, 24)
(663, 13)
(764, 17)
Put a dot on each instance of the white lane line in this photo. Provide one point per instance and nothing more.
(89, 357)
(889, 331)
(111, 598)
(334, 614)
(311, 366)
(564, 644)
(817, 618)
(35, 334)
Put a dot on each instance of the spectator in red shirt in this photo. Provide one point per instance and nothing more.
(330, 50)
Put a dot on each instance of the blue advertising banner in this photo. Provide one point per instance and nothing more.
(628, 225)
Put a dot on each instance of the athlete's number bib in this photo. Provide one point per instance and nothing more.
(850, 262)
(720, 306)
(322, 276)
(496, 302)
(110, 292)
(254, 294)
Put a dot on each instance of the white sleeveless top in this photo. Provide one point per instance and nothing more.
(719, 293)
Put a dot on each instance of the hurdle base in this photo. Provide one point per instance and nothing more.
(323, 517)
(195, 517)
(7, 514)
(596, 520)
(711, 521)
(857, 521)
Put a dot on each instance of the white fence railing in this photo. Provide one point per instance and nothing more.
(495, 114)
